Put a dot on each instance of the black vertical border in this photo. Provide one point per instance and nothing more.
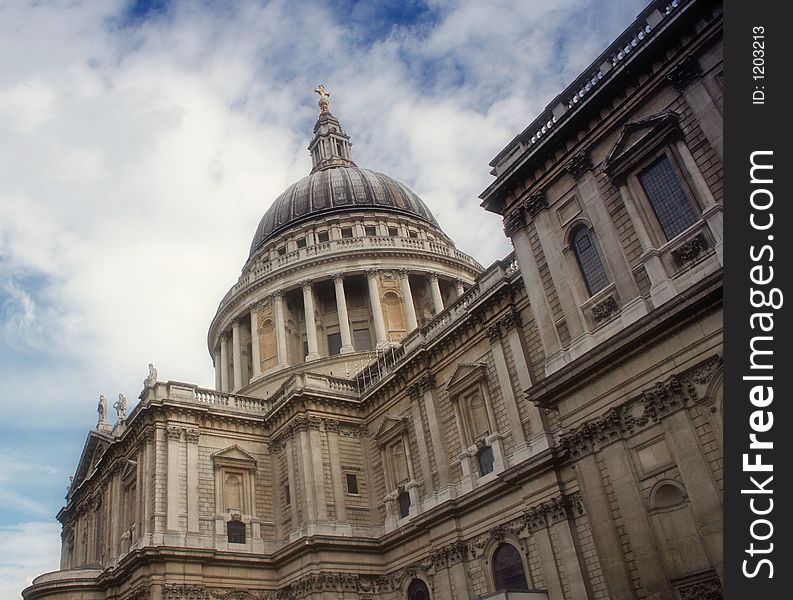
(750, 127)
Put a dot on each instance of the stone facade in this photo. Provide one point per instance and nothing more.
(392, 421)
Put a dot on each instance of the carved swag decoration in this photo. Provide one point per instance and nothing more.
(654, 404)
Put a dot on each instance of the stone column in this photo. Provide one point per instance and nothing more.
(172, 482)
(636, 523)
(567, 554)
(424, 449)
(520, 450)
(224, 362)
(256, 360)
(538, 435)
(701, 490)
(550, 572)
(604, 532)
(218, 369)
(191, 436)
(552, 249)
(407, 298)
(341, 309)
(291, 480)
(372, 277)
(535, 289)
(339, 499)
(236, 349)
(311, 323)
(435, 288)
(458, 287)
(442, 461)
(280, 329)
(147, 491)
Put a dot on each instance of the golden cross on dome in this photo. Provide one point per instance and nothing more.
(323, 97)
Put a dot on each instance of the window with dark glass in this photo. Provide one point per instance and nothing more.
(370, 230)
(403, 499)
(669, 200)
(346, 232)
(323, 236)
(508, 572)
(393, 231)
(334, 344)
(352, 483)
(287, 495)
(281, 251)
(301, 242)
(485, 459)
(413, 234)
(361, 340)
(236, 532)
(589, 260)
(417, 590)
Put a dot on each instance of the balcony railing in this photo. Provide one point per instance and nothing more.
(346, 245)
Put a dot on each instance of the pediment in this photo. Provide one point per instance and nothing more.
(129, 470)
(234, 455)
(638, 136)
(390, 427)
(96, 444)
(465, 374)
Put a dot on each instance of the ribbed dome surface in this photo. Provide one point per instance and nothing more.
(337, 189)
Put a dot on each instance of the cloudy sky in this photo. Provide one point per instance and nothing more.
(140, 143)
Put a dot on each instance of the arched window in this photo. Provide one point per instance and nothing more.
(236, 532)
(666, 195)
(417, 590)
(508, 573)
(588, 260)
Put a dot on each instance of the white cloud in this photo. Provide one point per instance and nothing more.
(27, 550)
(137, 161)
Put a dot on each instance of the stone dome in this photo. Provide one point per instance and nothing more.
(337, 189)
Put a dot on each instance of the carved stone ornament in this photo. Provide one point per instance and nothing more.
(709, 589)
(691, 250)
(174, 432)
(513, 222)
(686, 71)
(192, 435)
(535, 203)
(655, 403)
(604, 309)
(171, 591)
(580, 164)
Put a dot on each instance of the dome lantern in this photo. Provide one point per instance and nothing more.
(330, 147)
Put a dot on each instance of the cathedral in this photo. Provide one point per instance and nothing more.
(390, 419)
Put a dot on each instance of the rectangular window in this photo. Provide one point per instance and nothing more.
(485, 459)
(323, 236)
(404, 504)
(346, 232)
(281, 251)
(334, 344)
(393, 231)
(370, 230)
(361, 340)
(287, 496)
(236, 532)
(301, 242)
(667, 197)
(413, 234)
(352, 483)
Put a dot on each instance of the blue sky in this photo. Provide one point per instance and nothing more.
(140, 143)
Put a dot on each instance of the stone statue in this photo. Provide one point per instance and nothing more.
(320, 89)
(152, 378)
(121, 407)
(101, 410)
(323, 98)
